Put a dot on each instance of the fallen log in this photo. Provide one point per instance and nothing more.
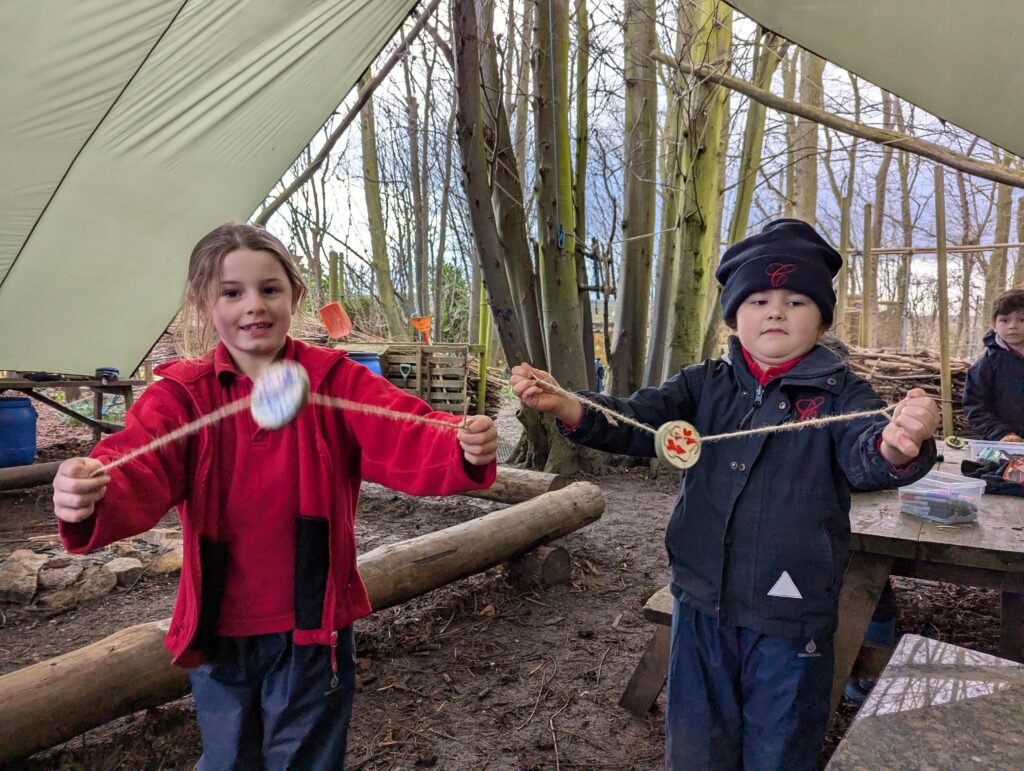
(515, 485)
(16, 477)
(52, 701)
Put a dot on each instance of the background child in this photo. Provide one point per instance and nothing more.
(758, 541)
(994, 389)
(269, 587)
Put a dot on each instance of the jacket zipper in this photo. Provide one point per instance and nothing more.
(758, 396)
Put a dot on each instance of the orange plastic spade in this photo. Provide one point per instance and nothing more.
(422, 324)
(338, 323)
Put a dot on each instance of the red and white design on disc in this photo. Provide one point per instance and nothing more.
(678, 444)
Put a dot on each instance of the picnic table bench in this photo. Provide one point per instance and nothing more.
(98, 386)
(884, 541)
(941, 706)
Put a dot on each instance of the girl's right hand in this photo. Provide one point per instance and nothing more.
(76, 491)
(524, 384)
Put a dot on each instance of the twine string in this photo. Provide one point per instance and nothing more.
(616, 417)
(334, 402)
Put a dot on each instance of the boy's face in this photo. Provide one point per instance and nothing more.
(1010, 327)
(777, 325)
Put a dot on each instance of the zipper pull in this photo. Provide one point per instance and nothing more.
(758, 395)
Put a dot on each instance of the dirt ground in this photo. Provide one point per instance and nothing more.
(484, 673)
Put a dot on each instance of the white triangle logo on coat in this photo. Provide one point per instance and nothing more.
(785, 587)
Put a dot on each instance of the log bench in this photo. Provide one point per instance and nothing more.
(940, 706)
(649, 676)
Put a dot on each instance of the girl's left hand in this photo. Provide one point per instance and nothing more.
(479, 440)
(914, 421)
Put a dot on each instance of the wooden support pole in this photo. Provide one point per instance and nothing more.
(485, 357)
(945, 373)
(55, 700)
(867, 271)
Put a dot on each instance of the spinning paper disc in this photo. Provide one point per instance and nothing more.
(678, 444)
(279, 393)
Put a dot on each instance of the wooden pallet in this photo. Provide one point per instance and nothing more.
(438, 374)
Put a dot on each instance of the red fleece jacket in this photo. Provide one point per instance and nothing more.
(336, 450)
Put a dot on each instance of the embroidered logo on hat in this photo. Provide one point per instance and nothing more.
(785, 587)
(778, 272)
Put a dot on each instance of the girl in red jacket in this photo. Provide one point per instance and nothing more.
(269, 587)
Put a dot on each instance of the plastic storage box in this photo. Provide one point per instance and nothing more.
(947, 498)
(982, 451)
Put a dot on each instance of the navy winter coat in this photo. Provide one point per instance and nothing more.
(994, 392)
(760, 534)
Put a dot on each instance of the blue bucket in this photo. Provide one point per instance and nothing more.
(17, 431)
(368, 359)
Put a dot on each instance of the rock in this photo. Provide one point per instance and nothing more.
(127, 549)
(58, 599)
(96, 582)
(60, 573)
(168, 562)
(161, 537)
(19, 576)
(125, 569)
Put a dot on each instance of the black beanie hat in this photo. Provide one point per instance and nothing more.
(787, 254)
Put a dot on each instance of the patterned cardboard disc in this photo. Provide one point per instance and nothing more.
(278, 394)
(678, 443)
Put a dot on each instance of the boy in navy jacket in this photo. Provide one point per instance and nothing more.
(759, 538)
(994, 390)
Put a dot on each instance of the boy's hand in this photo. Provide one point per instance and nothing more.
(524, 384)
(479, 440)
(76, 491)
(914, 421)
(1012, 438)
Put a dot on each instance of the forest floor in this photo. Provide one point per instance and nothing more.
(484, 673)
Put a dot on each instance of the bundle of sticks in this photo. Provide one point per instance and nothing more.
(893, 373)
(495, 384)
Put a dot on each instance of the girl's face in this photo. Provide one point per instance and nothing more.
(777, 325)
(253, 308)
(1010, 327)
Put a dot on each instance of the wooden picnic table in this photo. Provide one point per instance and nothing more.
(988, 553)
(938, 705)
(98, 386)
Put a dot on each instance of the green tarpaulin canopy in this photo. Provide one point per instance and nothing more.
(128, 128)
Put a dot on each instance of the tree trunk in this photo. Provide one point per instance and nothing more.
(996, 270)
(580, 188)
(654, 366)
(963, 324)
(790, 69)
(417, 182)
(768, 49)
(397, 328)
(52, 701)
(712, 23)
(476, 183)
(1018, 267)
(626, 358)
(439, 322)
(805, 187)
(507, 200)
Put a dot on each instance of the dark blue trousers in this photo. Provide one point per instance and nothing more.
(741, 699)
(266, 702)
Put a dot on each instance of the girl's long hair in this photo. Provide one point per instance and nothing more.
(196, 335)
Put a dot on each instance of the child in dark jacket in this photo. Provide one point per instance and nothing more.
(759, 538)
(269, 587)
(994, 390)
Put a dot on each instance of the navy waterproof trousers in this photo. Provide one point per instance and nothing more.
(741, 699)
(265, 702)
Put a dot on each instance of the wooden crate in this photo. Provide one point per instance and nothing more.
(438, 374)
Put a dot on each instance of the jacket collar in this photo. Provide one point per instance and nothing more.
(817, 369)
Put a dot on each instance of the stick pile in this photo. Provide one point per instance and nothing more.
(893, 373)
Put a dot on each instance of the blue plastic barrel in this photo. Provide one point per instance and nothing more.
(17, 431)
(367, 359)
